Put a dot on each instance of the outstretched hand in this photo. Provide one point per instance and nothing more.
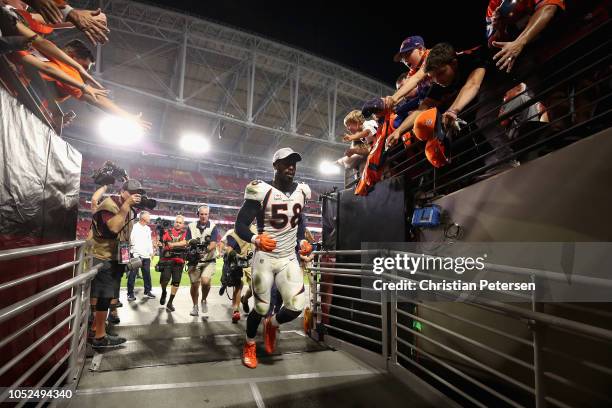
(509, 52)
(92, 23)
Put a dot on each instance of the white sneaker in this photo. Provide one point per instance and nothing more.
(195, 311)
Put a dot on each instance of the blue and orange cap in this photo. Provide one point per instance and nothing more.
(408, 45)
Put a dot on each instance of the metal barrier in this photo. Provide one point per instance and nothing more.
(467, 376)
(76, 321)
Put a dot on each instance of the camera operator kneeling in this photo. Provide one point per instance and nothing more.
(110, 234)
(172, 259)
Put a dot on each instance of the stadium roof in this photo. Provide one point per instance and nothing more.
(247, 94)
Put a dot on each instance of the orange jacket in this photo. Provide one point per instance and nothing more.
(372, 173)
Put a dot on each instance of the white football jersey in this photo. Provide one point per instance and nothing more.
(280, 213)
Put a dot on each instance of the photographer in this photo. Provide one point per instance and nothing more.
(201, 270)
(238, 253)
(172, 259)
(110, 232)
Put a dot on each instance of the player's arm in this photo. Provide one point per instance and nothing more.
(245, 217)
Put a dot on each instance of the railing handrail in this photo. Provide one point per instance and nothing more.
(17, 308)
(17, 253)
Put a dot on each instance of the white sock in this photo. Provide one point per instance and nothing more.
(250, 340)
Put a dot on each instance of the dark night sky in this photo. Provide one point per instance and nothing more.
(359, 35)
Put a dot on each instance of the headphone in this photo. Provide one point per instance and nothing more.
(198, 210)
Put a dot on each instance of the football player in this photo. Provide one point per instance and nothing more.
(277, 206)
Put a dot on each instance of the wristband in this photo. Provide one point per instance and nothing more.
(66, 10)
(453, 112)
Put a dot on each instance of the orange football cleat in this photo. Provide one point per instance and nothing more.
(249, 355)
(269, 335)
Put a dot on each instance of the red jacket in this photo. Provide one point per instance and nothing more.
(173, 236)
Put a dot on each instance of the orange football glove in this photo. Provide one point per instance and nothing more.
(305, 247)
(265, 242)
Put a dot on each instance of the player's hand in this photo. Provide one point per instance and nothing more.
(305, 248)
(265, 243)
(347, 138)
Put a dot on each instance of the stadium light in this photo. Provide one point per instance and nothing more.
(194, 143)
(120, 131)
(327, 167)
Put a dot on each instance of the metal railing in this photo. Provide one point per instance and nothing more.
(75, 321)
(453, 351)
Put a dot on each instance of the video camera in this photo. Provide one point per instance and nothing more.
(109, 174)
(232, 270)
(196, 248)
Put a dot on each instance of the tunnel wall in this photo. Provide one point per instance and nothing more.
(39, 179)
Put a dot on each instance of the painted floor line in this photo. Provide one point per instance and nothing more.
(212, 383)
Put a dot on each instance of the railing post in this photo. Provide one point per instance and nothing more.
(315, 297)
(384, 321)
(393, 330)
(535, 327)
(76, 323)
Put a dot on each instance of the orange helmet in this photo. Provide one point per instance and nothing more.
(427, 124)
(435, 151)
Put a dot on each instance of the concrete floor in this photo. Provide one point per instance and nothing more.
(319, 378)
